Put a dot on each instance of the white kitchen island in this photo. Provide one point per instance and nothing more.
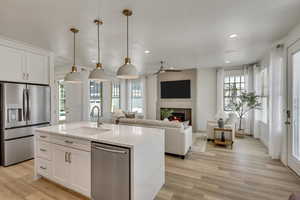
(63, 154)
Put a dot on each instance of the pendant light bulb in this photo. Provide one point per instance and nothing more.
(74, 76)
(128, 70)
(98, 73)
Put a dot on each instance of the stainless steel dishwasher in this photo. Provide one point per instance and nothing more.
(110, 172)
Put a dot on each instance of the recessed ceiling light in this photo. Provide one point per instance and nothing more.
(233, 36)
(147, 51)
(227, 62)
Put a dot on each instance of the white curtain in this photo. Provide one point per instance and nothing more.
(248, 87)
(257, 85)
(220, 88)
(276, 102)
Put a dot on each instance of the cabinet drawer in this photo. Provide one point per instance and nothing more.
(72, 142)
(44, 167)
(44, 150)
(43, 136)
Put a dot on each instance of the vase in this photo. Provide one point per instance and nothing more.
(221, 125)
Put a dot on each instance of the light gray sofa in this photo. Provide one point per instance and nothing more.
(178, 138)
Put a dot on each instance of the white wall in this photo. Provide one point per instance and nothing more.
(206, 97)
(151, 96)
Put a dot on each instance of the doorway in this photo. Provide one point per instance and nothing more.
(294, 107)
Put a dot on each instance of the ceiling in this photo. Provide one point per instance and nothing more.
(185, 33)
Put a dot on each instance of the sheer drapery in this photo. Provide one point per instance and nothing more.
(276, 102)
(248, 87)
(257, 85)
(220, 90)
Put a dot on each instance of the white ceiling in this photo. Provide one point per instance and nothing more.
(185, 33)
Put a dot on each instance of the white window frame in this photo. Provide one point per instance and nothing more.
(136, 94)
(93, 102)
(61, 114)
(115, 94)
(238, 81)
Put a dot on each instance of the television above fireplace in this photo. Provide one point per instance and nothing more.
(175, 89)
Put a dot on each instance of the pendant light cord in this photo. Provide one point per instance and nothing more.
(98, 31)
(74, 50)
(127, 37)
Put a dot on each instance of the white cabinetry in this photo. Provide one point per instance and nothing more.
(60, 165)
(64, 160)
(12, 64)
(80, 171)
(37, 70)
(21, 64)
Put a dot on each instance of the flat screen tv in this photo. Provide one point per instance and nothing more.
(175, 89)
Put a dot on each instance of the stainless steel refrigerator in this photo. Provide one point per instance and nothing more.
(23, 107)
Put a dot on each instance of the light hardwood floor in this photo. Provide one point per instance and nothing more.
(244, 173)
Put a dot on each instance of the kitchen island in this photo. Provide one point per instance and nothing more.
(107, 162)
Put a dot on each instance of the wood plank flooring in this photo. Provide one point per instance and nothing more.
(244, 173)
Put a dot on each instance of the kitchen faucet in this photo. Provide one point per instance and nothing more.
(98, 116)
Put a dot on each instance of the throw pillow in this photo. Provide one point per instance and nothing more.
(186, 124)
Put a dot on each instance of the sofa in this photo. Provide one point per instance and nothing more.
(178, 137)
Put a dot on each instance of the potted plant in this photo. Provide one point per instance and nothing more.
(242, 104)
(166, 113)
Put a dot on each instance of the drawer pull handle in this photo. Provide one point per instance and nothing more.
(69, 158)
(42, 136)
(44, 150)
(44, 168)
(68, 142)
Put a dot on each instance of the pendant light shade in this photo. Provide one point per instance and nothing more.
(128, 70)
(74, 76)
(98, 73)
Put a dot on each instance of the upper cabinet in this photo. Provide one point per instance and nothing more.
(12, 64)
(21, 64)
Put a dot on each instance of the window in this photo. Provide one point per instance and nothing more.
(231, 82)
(136, 94)
(61, 101)
(96, 97)
(115, 98)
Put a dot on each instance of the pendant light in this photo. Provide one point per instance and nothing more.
(98, 73)
(74, 76)
(128, 70)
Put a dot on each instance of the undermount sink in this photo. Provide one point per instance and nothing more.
(96, 128)
(90, 130)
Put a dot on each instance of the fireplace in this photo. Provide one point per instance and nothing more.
(180, 114)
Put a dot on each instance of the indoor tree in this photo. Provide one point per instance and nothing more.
(243, 103)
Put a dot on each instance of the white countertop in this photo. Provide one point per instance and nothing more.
(122, 135)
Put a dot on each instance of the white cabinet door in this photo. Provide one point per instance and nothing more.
(80, 171)
(60, 166)
(12, 63)
(37, 68)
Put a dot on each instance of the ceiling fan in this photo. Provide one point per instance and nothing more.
(163, 69)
